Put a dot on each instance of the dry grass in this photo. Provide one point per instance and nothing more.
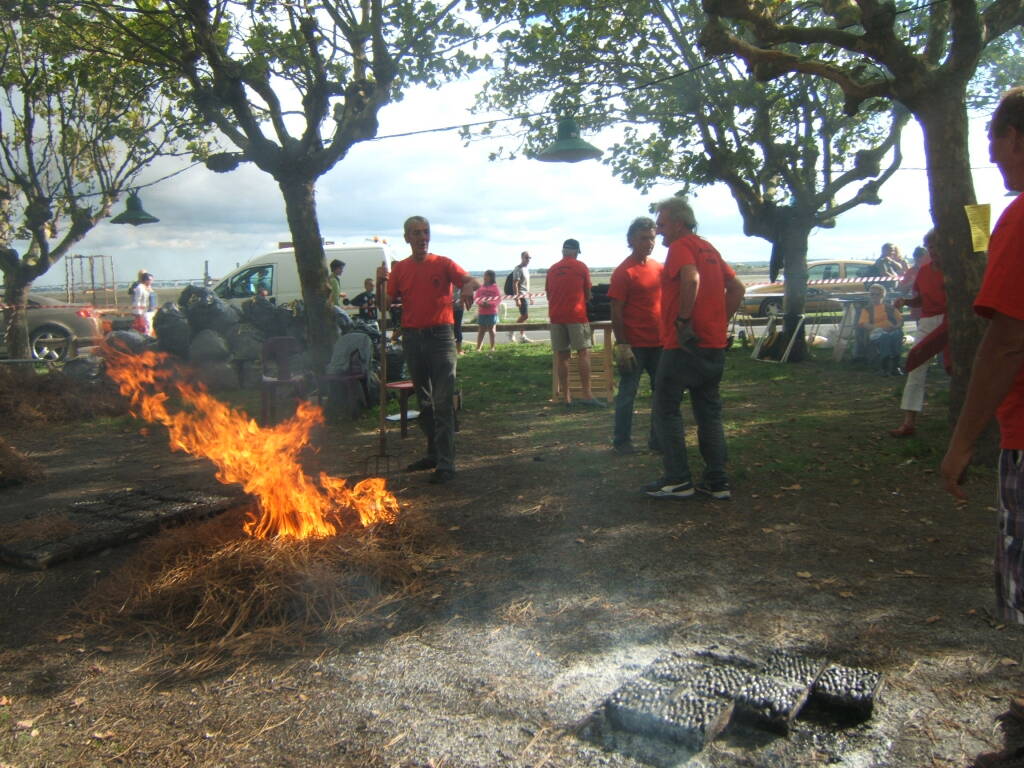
(39, 528)
(28, 397)
(15, 468)
(210, 596)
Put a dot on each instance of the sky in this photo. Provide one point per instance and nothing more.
(482, 213)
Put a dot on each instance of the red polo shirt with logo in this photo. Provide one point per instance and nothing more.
(426, 289)
(709, 319)
(638, 286)
(567, 284)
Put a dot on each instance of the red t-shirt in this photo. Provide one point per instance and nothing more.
(929, 286)
(567, 284)
(638, 286)
(1002, 290)
(709, 320)
(426, 289)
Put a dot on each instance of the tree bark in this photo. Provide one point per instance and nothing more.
(943, 118)
(791, 234)
(300, 206)
(15, 321)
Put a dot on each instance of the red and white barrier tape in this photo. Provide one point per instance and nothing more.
(833, 281)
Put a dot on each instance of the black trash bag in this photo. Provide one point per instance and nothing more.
(269, 318)
(396, 363)
(208, 347)
(207, 312)
(172, 330)
(371, 329)
(130, 342)
(87, 369)
(599, 308)
(246, 342)
(341, 317)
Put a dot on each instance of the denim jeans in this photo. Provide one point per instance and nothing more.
(699, 371)
(430, 356)
(646, 360)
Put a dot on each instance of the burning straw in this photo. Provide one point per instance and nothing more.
(317, 557)
(209, 595)
(263, 460)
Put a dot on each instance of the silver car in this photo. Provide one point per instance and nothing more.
(57, 329)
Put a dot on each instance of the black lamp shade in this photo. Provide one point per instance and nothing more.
(568, 146)
(133, 213)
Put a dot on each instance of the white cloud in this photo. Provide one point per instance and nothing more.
(482, 213)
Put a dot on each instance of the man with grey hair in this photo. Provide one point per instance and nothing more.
(635, 293)
(699, 293)
(424, 281)
(520, 289)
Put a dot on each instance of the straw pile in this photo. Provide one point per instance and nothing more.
(208, 595)
(15, 468)
(28, 397)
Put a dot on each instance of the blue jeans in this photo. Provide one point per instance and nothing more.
(699, 371)
(646, 360)
(889, 343)
(430, 356)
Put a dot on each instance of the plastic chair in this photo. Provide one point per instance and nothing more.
(277, 355)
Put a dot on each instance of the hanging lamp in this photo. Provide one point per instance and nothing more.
(568, 146)
(133, 213)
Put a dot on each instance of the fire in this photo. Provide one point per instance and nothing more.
(263, 460)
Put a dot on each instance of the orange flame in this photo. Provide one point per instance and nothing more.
(263, 460)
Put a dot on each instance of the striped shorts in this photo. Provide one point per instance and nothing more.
(1009, 561)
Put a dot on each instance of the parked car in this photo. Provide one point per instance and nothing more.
(764, 300)
(57, 329)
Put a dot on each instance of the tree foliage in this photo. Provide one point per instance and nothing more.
(77, 127)
(924, 57)
(790, 156)
(291, 87)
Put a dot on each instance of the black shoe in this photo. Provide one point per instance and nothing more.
(425, 463)
(441, 476)
(719, 491)
(661, 490)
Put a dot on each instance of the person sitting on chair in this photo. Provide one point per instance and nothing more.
(884, 326)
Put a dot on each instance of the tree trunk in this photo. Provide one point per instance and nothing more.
(943, 118)
(15, 320)
(791, 234)
(300, 205)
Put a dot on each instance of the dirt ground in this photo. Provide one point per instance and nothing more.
(565, 583)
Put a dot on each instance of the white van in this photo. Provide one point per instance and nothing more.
(277, 273)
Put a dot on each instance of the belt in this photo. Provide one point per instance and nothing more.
(428, 329)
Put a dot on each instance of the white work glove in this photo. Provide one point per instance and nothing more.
(625, 360)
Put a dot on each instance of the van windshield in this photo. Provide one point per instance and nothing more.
(249, 282)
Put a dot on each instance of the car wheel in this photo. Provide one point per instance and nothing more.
(771, 307)
(50, 342)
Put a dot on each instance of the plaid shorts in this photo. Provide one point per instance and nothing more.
(1009, 562)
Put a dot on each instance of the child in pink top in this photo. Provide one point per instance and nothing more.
(487, 298)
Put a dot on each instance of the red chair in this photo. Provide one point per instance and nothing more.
(277, 360)
(351, 389)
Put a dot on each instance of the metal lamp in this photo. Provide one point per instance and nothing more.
(133, 213)
(568, 146)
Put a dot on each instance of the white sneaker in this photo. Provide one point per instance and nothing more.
(524, 340)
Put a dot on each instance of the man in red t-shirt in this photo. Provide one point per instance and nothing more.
(568, 289)
(997, 378)
(699, 293)
(424, 280)
(929, 297)
(635, 293)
